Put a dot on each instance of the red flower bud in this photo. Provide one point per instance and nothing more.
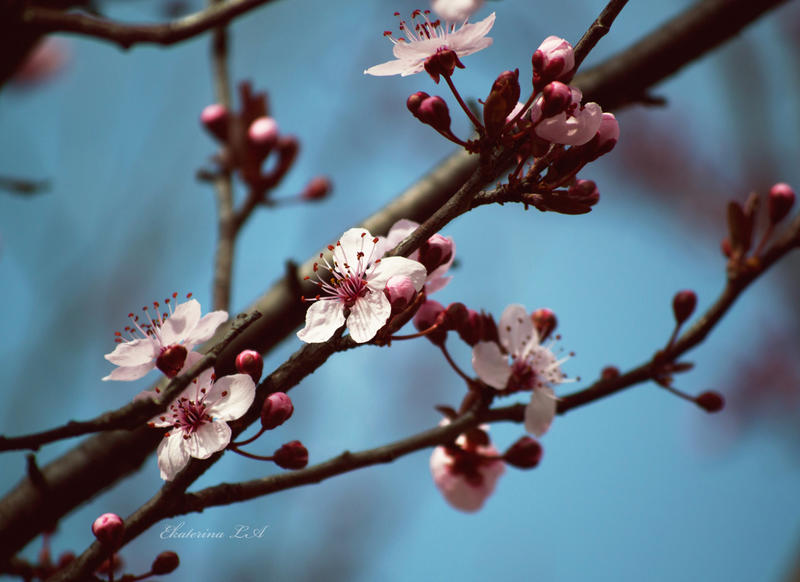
(293, 455)
(471, 328)
(262, 135)
(415, 100)
(779, 202)
(683, 305)
(609, 373)
(109, 529)
(524, 454)
(250, 362)
(710, 401)
(433, 111)
(276, 410)
(216, 120)
(545, 322)
(317, 189)
(501, 101)
(165, 563)
(556, 98)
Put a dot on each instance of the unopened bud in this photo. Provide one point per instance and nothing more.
(109, 529)
(470, 329)
(710, 401)
(553, 59)
(524, 454)
(276, 410)
(427, 315)
(433, 111)
(607, 135)
(171, 360)
(399, 291)
(165, 563)
(609, 373)
(683, 305)
(415, 100)
(443, 62)
(780, 202)
(262, 135)
(435, 252)
(501, 101)
(488, 328)
(293, 455)
(556, 98)
(456, 315)
(317, 189)
(545, 322)
(216, 120)
(250, 362)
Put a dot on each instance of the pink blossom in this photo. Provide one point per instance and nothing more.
(575, 126)
(163, 340)
(466, 474)
(554, 58)
(532, 366)
(427, 38)
(456, 10)
(358, 277)
(436, 278)
(198, 418)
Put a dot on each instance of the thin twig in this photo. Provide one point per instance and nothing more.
(596, 31)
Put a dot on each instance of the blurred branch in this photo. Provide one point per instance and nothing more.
(103, 459)
(597, 30)
(47, 20)
(23, 187)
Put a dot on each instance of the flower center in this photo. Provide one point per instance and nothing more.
(523, 376)
(189, 415)
(149, 327)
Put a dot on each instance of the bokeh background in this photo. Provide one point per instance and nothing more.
(640, 486)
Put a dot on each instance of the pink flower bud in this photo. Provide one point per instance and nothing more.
(433, 111)
(710, 401)
(317, 189)
(171, 360)
(501, 101)
(109, 529)
(556, 98)
(683, 305)
(607, 135)
(415, 100)
(779, 202)
(216, 120)
(165, 563)
(262, 135)
(435, 252)
(524, 454)
(399, 291)
(427, 315)
(293, 455)
(553, 59)
(277, 409)
(443, 62)
(544, 320)
(250, 362)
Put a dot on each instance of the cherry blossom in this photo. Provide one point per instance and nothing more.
(575, 126)
(444, 246)
(456, 10)
(358, 276)
(466, 474)
(163, 341)
(532, 366)
(198, 419)
(427, 38)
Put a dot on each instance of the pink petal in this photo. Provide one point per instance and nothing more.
(205, 328)
(349, 245)
(133, 353)
(128, 373)
(515, 329)
(434, 284)
(172, 455)
(399, 231)
(182, 321)
(368, 315)
(491, 364)
(541, 411)
(392, 266)
(239, 391)
(456, 490)
(323, 318)
(208, 439)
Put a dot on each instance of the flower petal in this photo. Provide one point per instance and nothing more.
(205, 328)
(323, 318)
(368, 315)
(396, 67)
(127, 373)
(491, 364)
(133, 353)
(391, 266)
(208, 439)
(516, 329)
(346, 250)
(182, 321)
(436, 283)
(231, 396)
(471, 37)
(541, 411)
(172, 455)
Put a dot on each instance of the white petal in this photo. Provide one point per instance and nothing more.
(323, 318)
(516, 329)
(396, 67)
(182, 321)
(368, 315)
(541, 411)
(399, 231)
(205, 328)
(349, 245)
(127, 373)
(172, 455)
(491, 364)
(471, 37)
(391, 266)
(434, 284)
(133, 353)
(208, 439)
(239, 391)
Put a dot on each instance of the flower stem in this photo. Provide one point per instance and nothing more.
(249, 455)
(455, 367)
(250, 440)
(466, 109)
(422, 333)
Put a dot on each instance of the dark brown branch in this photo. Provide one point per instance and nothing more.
(23, 187)
(597, 30)
(46, 20)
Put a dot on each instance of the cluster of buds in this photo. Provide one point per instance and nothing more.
(742, 226)
(251, 140)
(435, 320)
